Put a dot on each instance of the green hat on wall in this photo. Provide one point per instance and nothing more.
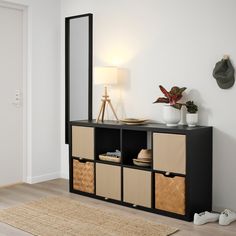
(224, 73)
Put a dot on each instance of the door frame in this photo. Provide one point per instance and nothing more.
(26, 87)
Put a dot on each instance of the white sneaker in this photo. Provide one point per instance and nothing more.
(226, 217)
(205, 217)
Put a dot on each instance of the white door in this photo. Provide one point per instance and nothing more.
(11, 80)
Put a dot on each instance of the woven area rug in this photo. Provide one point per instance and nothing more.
(63, 216)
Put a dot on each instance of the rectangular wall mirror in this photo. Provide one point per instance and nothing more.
(78, 69)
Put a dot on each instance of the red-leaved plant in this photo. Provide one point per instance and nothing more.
(172, 97)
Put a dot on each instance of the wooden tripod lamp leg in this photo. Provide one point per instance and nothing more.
(103, 110)
(109, 102)
(100, 112)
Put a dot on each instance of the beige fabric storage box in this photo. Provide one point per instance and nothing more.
(137, 187)
(83, 142)
(170, 193)
(83, 176)
(108, 181)
(169, 152)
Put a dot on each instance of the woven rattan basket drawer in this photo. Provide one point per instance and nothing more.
(83, 176)
(170, 193)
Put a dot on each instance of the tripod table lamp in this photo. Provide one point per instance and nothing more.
(106, 76)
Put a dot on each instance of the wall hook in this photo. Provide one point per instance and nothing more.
(226, 57)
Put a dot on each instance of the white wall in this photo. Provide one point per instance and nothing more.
(43, 119)
(170, 43)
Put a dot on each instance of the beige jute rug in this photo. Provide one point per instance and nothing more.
(63, 216)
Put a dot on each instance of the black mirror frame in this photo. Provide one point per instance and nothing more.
(67, 70)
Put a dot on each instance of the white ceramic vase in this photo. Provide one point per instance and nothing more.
(171, 115)
(192, 119)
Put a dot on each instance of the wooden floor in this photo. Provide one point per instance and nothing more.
(13, 195)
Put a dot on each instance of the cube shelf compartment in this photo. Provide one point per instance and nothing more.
(178, 182)
(83, 176)
(170, 193)
(170, 152)
(82, 142)
(137, 187)
(107, 140)
(132, 143)
(108, 181)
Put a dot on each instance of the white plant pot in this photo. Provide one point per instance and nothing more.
(192, 119)
(171, 115)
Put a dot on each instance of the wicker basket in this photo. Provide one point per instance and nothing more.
(105, 157)
(170, 193)
(83, 176)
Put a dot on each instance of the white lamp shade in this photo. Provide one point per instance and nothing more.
(105, 75)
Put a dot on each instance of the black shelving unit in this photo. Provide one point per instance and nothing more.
(196, 179)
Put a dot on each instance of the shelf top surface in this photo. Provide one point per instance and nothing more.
(145, 127)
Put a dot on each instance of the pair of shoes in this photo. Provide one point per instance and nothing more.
(205, 217)
(225, 218)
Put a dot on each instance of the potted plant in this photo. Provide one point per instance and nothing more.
(192, 115)
(171, 109)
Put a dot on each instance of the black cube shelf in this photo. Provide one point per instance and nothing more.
(182, 165)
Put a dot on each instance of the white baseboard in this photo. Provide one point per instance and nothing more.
(43, 178)
(64, 175)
